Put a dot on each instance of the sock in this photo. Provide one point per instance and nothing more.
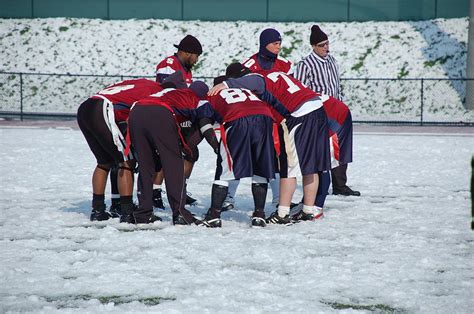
(259, 192)
(98, 200)
(308, 209)
(283, 210)
(126, 204)
(218, 195)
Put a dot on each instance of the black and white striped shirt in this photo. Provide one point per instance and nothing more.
(320, 75)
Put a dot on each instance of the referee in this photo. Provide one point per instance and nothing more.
(320, 72)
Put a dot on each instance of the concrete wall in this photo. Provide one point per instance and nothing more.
(251, 10)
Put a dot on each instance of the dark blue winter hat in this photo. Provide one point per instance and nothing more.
(268, 36)
(199, 88)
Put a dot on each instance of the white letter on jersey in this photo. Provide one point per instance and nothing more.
(233, 95)
(292, 87)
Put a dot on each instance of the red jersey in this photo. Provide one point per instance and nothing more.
(290, 92)
(280, 65)
(171, 65)
(180, 101)
(123, 94)
(234, 103)
(336, 111)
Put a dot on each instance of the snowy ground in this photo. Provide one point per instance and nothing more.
(404, 246)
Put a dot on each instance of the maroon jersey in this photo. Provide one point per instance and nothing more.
(280, 65)
(287, 90)
(123, 94)
(180, 101)
(283, 92)
(336, 111)
(171, 65)
(234, 103)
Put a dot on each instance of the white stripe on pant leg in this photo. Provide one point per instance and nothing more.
(227, 172)
(109, 117)
(294, 169)
(259, 179)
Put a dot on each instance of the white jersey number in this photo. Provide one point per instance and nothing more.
(116, 89)
(233, 95)
(292, 87)
(161, 93)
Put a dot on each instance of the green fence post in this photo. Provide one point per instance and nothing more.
(21, 96)
(421, 115)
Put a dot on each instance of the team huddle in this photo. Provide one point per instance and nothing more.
(272, 127)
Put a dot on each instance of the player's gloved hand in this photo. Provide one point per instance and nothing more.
(211, 138)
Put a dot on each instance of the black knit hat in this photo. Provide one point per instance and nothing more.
(236, 70)
(317, 35)
(190, 44)
(219, 79)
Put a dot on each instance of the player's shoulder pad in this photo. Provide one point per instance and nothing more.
(283, 59)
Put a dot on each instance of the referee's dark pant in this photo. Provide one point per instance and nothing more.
(153, 130)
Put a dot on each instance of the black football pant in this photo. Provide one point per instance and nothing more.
(153, 130)
(339, 177)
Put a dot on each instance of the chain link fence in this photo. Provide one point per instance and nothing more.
(385, 101)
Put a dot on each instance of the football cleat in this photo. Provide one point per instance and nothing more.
(157, 199)
(153, 218)
(258, 222)
(212, 219)
(228, 203)
(302, 216)
(276, 219)
(98, 213)
(190, 200)
(114, 210)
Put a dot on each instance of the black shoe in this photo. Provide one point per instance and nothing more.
(228, 203)
(258, 219)
(212, 219)
(150, 220)
(127, 213)
(276, 219)
(179, 220)
(98, 213)
(157, 199)
(114, 210)
(258, 222)
(345, 191)
(302, 216)
(190, 200)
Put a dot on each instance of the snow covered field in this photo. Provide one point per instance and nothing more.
(403, 247)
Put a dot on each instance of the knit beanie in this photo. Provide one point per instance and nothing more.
(268, 36)
(236, 70)
(190, 44)
(317, 35)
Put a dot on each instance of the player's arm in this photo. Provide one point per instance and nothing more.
(207, 131)
(255, 83)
